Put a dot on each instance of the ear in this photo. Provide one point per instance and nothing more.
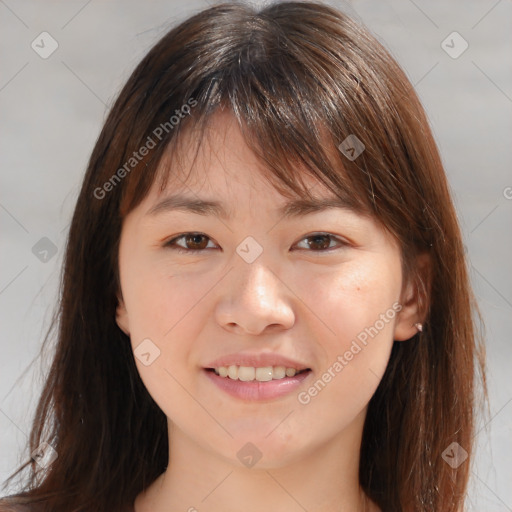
(414, 299)
(122, 316)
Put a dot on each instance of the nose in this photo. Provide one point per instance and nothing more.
(253, 300)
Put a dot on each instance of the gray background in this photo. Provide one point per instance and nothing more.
(52, 111)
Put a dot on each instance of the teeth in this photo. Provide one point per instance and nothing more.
(264, 374)
(246, 373)
(249, 373)
(279, 372)
(232, 372)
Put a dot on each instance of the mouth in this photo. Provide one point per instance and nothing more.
(261, 383)
(260, 374)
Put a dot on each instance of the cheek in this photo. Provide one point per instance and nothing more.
(160, 300)
(162, 306)
(354, 297)
(357, 306)
(164, 309)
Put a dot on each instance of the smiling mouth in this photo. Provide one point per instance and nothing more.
(260, 374)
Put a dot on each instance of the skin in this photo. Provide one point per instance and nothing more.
(293, 300)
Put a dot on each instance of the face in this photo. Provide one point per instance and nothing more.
(258, 295)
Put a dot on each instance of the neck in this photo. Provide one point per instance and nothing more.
(323, 480)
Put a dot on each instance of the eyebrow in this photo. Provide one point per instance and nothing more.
(293, 208)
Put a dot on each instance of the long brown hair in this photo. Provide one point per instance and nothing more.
(300, 77)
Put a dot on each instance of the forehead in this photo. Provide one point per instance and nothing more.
(217, 161)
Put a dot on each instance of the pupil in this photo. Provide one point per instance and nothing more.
(194, 239)
(316, 239)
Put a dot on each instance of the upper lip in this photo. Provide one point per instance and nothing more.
(257, 360)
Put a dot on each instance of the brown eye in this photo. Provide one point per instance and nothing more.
(192, 242)
(321, 242)
(196, 242)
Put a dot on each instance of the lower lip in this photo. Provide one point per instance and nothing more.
(255, 390)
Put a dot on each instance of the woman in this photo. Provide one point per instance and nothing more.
(265, 301)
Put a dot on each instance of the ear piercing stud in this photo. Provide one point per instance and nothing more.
(419, 326)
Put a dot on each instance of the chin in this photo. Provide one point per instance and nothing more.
(272, 450)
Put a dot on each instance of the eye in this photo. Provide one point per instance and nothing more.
(194, 242)
(321, 242)
(198, 242)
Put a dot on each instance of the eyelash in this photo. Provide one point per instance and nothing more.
(171, 244)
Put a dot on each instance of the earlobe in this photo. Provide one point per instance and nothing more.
(414, 300)
(122, 316)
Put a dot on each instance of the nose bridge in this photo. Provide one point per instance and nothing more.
(257, 283)
(254, 298)
(253, 261)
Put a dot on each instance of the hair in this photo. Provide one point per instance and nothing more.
(299, 78)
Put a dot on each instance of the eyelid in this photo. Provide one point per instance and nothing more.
(342, 242)
(171, 243)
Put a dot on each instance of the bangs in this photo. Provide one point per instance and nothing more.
(291, 111)
(286, 156)
(289, 142)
